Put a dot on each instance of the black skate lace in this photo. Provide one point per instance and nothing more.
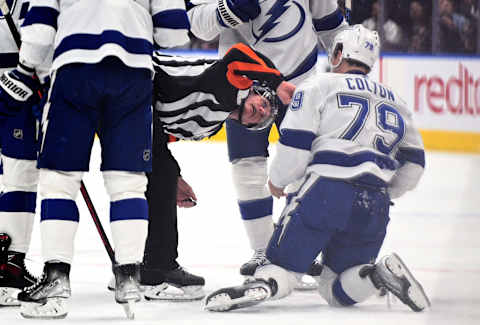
(39, 281)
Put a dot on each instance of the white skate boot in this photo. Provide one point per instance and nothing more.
(393, 275)
(252, 292)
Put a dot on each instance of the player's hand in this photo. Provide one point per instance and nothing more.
(18, 89)
(186, 198)
(232, 13)
(276, 191)
(285, 92)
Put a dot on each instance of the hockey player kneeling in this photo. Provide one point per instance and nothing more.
(351, 145)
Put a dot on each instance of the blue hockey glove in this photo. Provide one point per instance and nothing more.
(18, 89)
(231, 13)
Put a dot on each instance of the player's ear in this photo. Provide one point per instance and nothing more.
(337, 53)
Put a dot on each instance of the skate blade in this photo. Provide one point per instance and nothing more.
(8, 297)
(416, 292)
(54, 308)
(303, 285)
(129, 309)
(223, 302)
(169, 292)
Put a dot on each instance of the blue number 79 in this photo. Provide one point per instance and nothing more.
(387, 118)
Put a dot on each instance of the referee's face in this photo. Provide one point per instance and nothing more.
(256, 109)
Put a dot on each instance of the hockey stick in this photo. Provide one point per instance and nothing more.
(11, 24)
(98, 224)
(16, 36)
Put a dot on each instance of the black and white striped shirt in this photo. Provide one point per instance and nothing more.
(192, 96)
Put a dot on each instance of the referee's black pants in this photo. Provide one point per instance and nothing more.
(162, 240)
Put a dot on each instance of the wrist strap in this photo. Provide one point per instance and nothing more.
(24, 68)
(227, 16)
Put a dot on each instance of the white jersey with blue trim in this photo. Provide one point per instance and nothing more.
(346, 126)
(86, 31)
(8, 47)
(286, 31)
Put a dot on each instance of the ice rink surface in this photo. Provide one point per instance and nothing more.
(435, 229)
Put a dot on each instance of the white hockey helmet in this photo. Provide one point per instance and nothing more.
(357, 43)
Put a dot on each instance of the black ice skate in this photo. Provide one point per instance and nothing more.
(173, 285)
(393, 275)
(47, 299)
(258, 259)
(14, 275)
(127, 290)
(252, 292)
(177, 285)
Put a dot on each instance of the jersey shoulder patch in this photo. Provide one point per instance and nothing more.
(297, 101)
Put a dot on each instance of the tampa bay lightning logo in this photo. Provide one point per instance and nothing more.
(275, 12)
(11, 4)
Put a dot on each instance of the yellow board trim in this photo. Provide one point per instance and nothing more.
(432, 139)
(451, 140)
(222, 135)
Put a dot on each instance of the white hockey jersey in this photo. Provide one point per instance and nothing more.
(347, 126)
(8, 47)
(87, 31)
(286, 31)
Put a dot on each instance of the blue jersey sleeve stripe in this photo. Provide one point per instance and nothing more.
(305, 65)
(413, 155)
(173, 19)
(345, 160)
(93, 42)
(328, 22)
(41, 15)
(8, 60)
(297, 139)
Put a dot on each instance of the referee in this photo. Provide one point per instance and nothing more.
(192, 99)
(160, 267)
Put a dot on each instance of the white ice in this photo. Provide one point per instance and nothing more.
(435, 229)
